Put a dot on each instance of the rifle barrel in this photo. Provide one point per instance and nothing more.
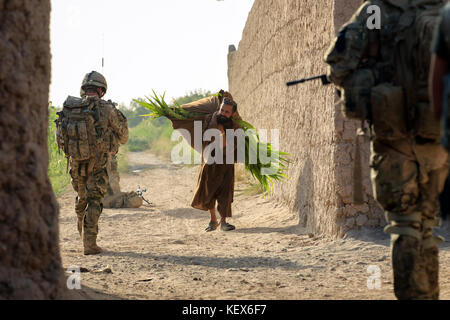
(323, 77)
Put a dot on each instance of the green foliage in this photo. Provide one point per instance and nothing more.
(135, 111)
(279, 159)
(59, 179)
(193, 96)
(159, 108)
(154, 135)
(133, 114)
(122, 159)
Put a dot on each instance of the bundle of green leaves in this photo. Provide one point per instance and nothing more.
(278, 159)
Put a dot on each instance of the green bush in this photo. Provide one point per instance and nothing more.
(151, 135)
(57, 166)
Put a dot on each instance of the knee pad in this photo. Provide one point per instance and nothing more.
(404, 224)
(80, 206)
(94, 208)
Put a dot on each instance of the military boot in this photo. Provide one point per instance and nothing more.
(431, 264)
(90, 245)
(90, 228)
(410, 276)
(430, 255)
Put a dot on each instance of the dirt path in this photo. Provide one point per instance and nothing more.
(162, 252)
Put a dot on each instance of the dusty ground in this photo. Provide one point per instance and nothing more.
(161, 251)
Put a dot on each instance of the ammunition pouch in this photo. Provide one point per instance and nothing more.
(427, 126)
(355, 95)
(388, 112)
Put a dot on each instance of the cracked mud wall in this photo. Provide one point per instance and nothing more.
(30, 263)
(285, 40)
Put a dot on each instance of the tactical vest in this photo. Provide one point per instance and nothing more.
(411, 61)
(392, 91)
(82, 129)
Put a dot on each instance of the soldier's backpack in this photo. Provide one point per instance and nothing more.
(78, 129)
(393, 95)
(402, 107)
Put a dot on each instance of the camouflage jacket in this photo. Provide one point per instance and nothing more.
(113, 118)
(358, 47)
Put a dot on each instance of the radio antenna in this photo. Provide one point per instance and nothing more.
(103, 52)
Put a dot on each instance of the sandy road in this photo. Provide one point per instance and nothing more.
(161, 251)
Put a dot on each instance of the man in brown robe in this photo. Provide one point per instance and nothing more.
(216, 181)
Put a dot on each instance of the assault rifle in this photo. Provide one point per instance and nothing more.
(322, 77)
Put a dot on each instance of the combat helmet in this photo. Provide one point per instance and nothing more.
(96, 79)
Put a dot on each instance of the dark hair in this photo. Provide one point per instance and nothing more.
(230, 102)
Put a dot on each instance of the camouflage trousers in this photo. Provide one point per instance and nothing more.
(90, 185)
(407, 179)
(113, 175)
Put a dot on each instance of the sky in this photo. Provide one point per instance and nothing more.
(172, 46)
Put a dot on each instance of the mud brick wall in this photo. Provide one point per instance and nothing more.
(30, 263)
(285, 40)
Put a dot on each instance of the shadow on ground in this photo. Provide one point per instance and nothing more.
(186, 213)
(378, 236)
(217, 262)
(295, 229)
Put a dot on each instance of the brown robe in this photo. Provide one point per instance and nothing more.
(215, 181)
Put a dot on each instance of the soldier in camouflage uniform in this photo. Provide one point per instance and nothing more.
(114, 197)
(382, 78)
(89, 177)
